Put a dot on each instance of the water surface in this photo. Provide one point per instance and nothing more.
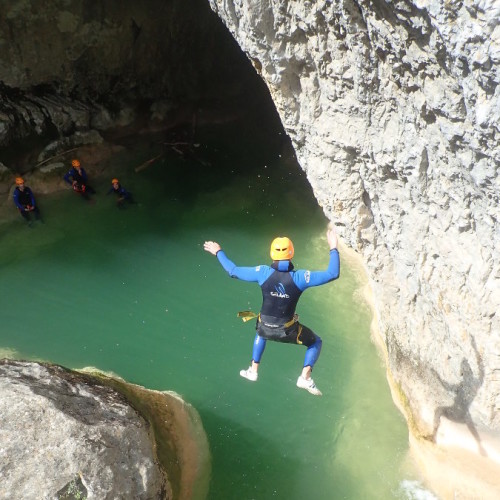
(132, 292)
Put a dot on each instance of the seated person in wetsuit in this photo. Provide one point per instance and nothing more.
(25, 201)
(78, 179)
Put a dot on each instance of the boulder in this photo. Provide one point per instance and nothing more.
(66, 433)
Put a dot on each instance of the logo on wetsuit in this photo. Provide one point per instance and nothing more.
(280, 292)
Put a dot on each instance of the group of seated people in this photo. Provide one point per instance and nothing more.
(77, 178)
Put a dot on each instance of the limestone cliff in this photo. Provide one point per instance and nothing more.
(393, 108)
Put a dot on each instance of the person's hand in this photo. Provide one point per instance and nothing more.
(331, 236)
(211, 247)
(74, 182)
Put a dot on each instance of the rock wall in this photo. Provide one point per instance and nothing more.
(59, 429)
(393, 108)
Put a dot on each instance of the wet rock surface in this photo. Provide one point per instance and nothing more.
(64, 432)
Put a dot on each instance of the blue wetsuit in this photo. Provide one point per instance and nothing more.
(74, 175)
(122, 194)
(24, 199)
(79, 181)
(281, 288)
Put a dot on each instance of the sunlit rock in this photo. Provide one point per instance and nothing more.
(67, 433)
(394, 109)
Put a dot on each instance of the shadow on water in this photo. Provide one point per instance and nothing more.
(252, 459)
(264, 466)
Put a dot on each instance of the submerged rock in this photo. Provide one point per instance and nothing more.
(66, 434)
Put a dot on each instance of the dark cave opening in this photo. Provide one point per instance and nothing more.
(195, 73)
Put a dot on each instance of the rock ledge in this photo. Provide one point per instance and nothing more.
(67, 433)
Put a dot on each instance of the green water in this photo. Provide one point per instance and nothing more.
(132, 292)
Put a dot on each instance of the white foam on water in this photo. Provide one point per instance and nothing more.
(413, 490)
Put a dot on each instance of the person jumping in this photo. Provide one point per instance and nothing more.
(282, 287)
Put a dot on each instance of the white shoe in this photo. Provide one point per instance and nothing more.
(249, 374)
(308, 385)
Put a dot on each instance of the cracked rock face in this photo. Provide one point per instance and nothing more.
(394, 110)
(60, 434)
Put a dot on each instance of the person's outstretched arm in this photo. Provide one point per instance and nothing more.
(331, 236)
(211, 247)
(242, 273)
(306, 279)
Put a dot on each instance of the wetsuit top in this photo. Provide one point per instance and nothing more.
(74, 175)
(281, 285)
(121, 191)
(280, 294)
(23, 198)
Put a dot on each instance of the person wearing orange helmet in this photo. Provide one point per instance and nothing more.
(282, 287)
(77, 178)
(25, 201)
(121, 193)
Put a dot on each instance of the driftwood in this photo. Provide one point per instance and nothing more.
(55, 156)
(146, 164)
(188, 152)
(177, 143)
(175, 146)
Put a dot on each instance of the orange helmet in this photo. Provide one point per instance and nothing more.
(113, 181)
(75, 163)
(282, 248)
(19, 181)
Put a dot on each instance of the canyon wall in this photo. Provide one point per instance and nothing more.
(393, 108)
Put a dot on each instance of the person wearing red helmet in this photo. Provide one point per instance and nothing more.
(282, 287)
(77, 178)
(25, 201)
